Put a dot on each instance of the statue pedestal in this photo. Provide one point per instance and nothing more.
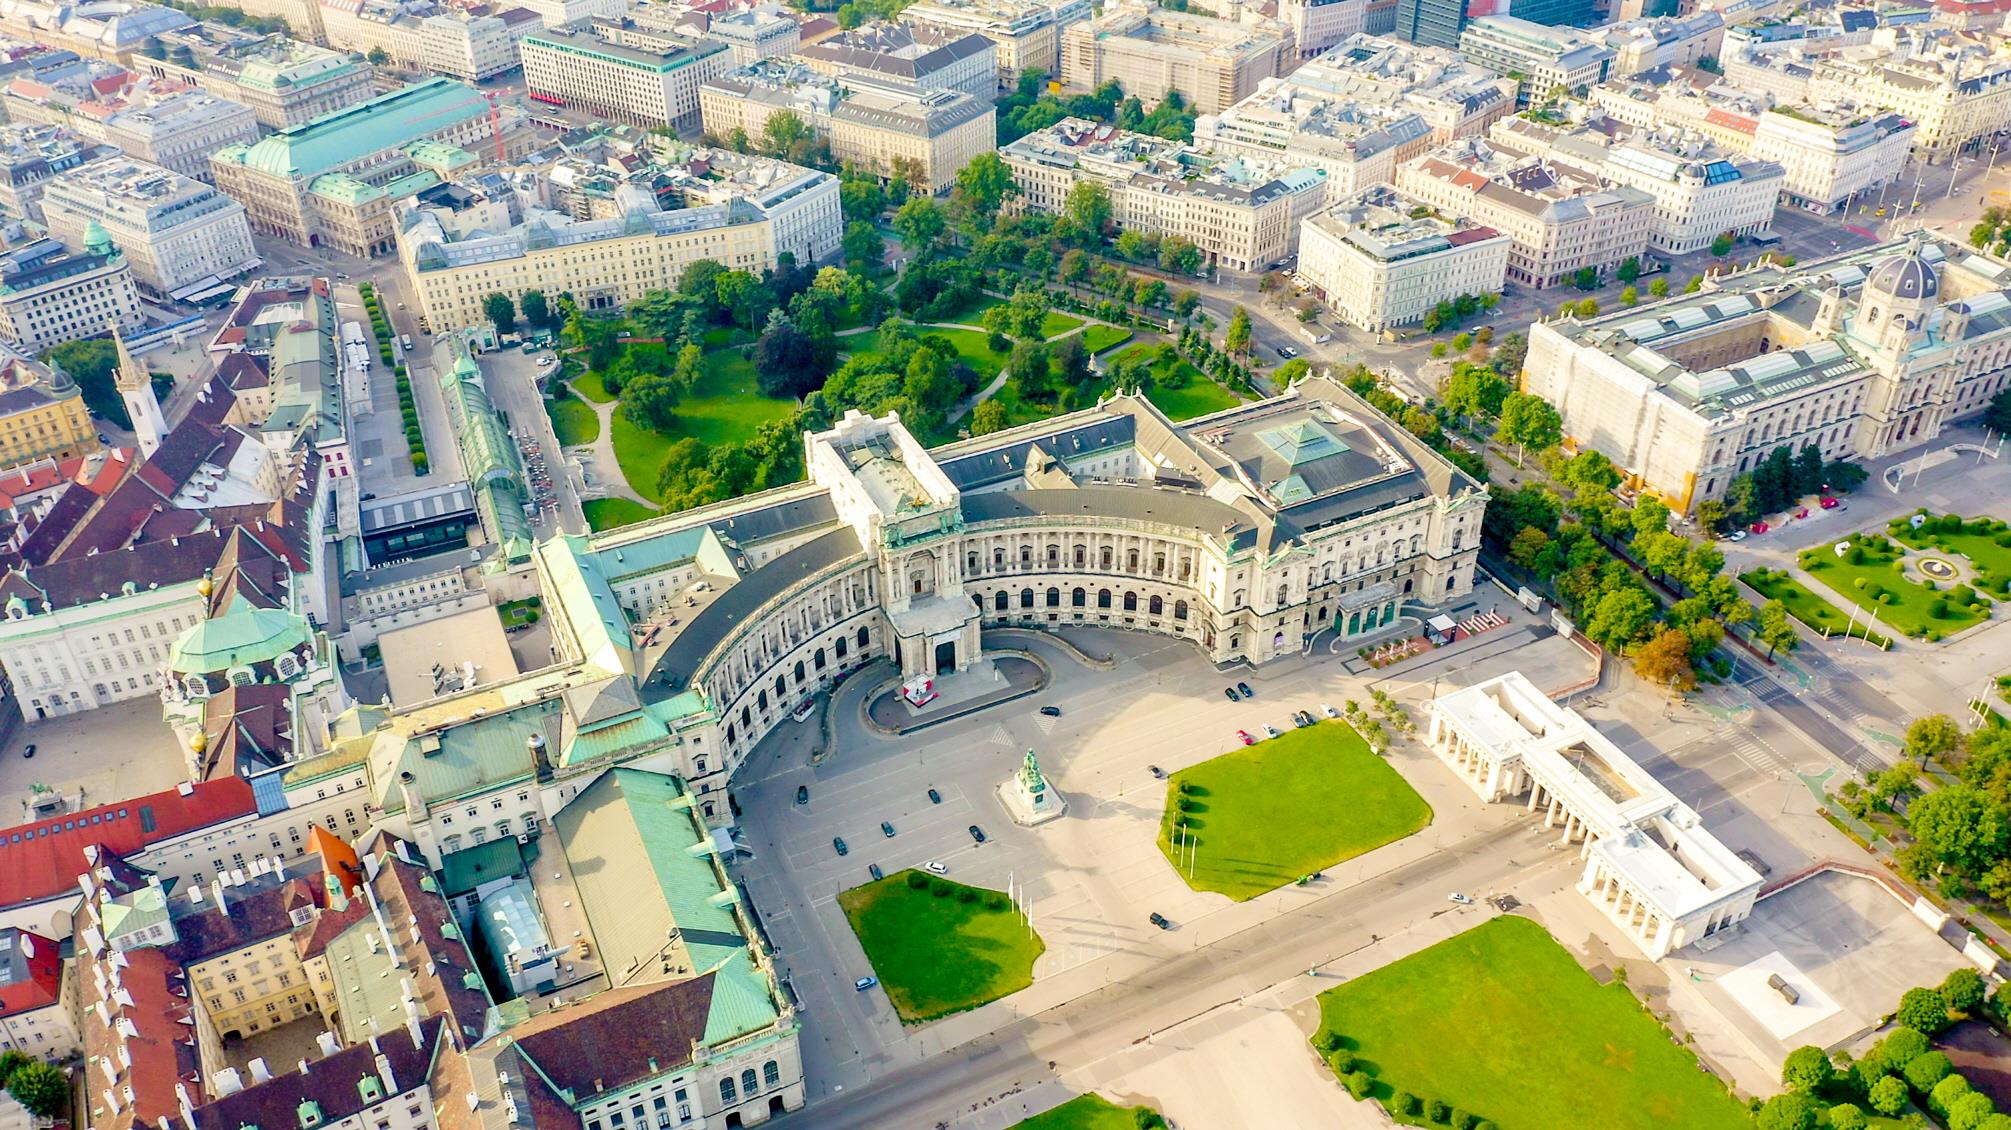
(1027, 796)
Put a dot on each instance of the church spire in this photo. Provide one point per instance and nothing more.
(136, 388)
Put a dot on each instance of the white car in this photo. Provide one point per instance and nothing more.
(934, 868)
(1463, 900)
(1329, 711)
(547, 359)
(1270, 731)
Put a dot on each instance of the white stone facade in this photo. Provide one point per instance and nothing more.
(174, 230)
(1377, 267)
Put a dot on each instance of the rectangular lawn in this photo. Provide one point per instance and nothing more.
(1501, 1021)
(936, 954)
(1100, 337)
(1198, 396)
(724, 408)
(607, 513)
(1085, 1112)
(574, 421)
(1057, 323)
(1265, 814)
(1805, 605)
(1911, 608)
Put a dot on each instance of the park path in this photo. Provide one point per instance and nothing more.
(601, 459)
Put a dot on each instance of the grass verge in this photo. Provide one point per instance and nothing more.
(941, 947)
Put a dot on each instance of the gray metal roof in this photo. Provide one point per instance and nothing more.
(1137, 504)
(427, 505)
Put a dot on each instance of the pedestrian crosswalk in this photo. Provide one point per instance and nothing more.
(1755, 752)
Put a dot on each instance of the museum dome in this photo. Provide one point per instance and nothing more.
(1904, 275)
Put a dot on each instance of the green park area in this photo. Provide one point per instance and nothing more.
(1261, 816)
(607, 513)
(970, 345)
(1872, 574)
(1098, 338)
(1093, 1112)
(590, 385)
(1057, 323)
(574, 421)
(1178, 388)
(1984, 543)
(1501, 1022)
(940, 947)
(1820, 615)
(724, 407)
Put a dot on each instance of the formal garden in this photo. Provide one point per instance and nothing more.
(1094, 1112)
(938, 946)
(1271, 813)
(1803, 604)
(1922, 588)
(1499, 1027)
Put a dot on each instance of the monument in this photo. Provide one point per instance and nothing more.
(1027, 797)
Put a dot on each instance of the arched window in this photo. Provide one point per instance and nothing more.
(1131, 560)
(971, 562)
(1025, 556)
(1079, 598)
(1026, 598)
(1053, 556)
(771, 1074)
(999, 602)
(817, 659)
(1131, 602)
(1158, 564)
(749, 1082)
(840, 646)
(1054, 598)
(998, 557)
(1180, 610)
(1103, 559)
(799, 672)
(1284, 594)
(1103, 598)
(1156, 606)
(781, 688)
(863, 637)
(730, 733)
(726, 1092)
(761, 700)
(1081, 555)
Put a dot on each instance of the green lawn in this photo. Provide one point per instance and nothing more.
(514, 612)
(1198, 396)
(573, 421)
(1910, 607)
(607, 513)
(1100, 337)
(1501, 1021)
(589, 385)
(1085, 1112)
(1057, 323)
(725, 408)
(1976, 541)
(936, 954)
(1805, 605)
(969, 345)
(1265, 814)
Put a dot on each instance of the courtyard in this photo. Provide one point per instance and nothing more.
(1501, 1021)
(1262, 816)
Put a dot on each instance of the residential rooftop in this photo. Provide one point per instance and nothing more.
(1158, 164)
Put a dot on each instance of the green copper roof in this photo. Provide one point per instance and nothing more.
(352, 133)
(241, 637)
(589, 603)
(741, 1001)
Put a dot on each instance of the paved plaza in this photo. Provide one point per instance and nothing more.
(112, 753)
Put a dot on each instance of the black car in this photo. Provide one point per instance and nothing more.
(1287, 352)
(1230, 694)
(838, 845)
(977, 834)
(886, 829)
(873, 869)
(935, 797)
(1247, 692)
(1158, 772)
(29, 751)
(802, 794)
(1051, 711)
(1160, 921)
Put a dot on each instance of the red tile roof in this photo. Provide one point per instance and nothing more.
(42, 860)
(33, 967)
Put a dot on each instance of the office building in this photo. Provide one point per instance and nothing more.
(1644, 45)
(113, 32)
(1865, 355)
(30, 155)
(50, 295)
(914, 59)
(709, 204)
(175, 232)
(284, 81)
(1241, 212)
(1377, 266)
(1316, 25)
(1150, 51)
(626, 84)
(331, 181)
(1431, 23)
(1544, 58)
(1027, 33)
(1560, 219)
(42, 413)
(874, 129)
(756, 33)
(475, 47)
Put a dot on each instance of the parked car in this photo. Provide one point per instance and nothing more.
(28, 750)
(1245, 735)
(838, 845)
(1051, 711)
(1329, 711)
(1270, 731)
(1230, 694)
(802, 794)
(935, 797)
(1736, 535)
(1158, 772)
(873, 869)
(1760, 527)
(1829, 503)
(864, 983)
(1463, 900)
(934, 868)
(1247, 692)
(977, 834)
(1287, 352)
(886, 829)
(1159, 920)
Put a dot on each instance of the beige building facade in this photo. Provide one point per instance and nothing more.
(1148, 51)
(1378, 267)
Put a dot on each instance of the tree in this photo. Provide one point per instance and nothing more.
(787, 362)
(1969, 1110)
(1476, 390)
(786, 135)
(1629, 296)
(1847, 1116)
(1621, 617)
(94, 365)
(1722, 246)
(1964, 989)
(987, 418)
(1925, 1071)
(986, 182)
(1236, 339)
(1585, 278)
(498, 308)
(920, 224)
(1659, 287)
(1925, 1011)
(1529, 421)
(537, 311)
(1887, 1096)
(1630, 269)
(1932, 736)
(1650, 516)
(1806, 1070)
(1788, 1112)
(864, 249)
(1962, 828)
(41, 1088)
(1085, 214)
(1776, 631)
(378, 57)
(1295, 369)
(1666, 660)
